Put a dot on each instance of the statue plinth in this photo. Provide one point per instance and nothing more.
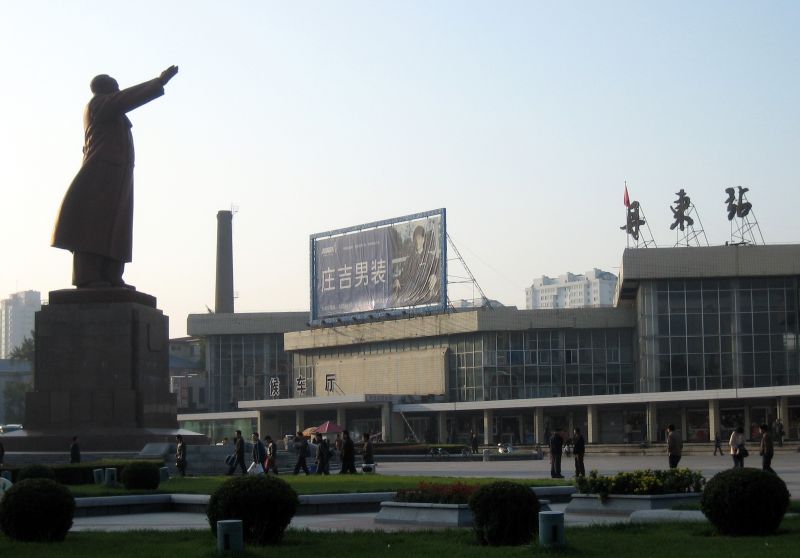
(101, 372)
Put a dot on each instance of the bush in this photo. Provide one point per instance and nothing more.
(265, 505)
(82, 473)
(506, 513)
(745, 502)
(433, 493)
(647, 482)
(36, 472)
(142, 475)
(37, 510)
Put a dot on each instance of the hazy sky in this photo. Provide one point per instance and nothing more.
(523, 119)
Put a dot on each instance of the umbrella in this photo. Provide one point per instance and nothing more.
(310, 431)
(329, 427)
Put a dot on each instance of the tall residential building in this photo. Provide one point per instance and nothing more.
(16, 319)
(592, 289)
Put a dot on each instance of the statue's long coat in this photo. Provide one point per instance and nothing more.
(97, 212)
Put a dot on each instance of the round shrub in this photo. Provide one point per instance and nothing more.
(36, 472)
(506, 513)
(140, 475)
(745, 502)
(37, 510)
(265, 505)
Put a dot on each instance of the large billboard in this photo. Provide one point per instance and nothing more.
(397, 264)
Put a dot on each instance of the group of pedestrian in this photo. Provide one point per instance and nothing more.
(557, 444)
(263, 455)
(736, 444)
(343, 445)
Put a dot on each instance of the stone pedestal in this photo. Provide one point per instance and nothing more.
(101, 371)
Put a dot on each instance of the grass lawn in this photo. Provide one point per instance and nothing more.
(312, 484)
(620, 541)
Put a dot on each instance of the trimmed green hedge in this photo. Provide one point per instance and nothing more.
(743, 501)
(81, 473)
(438, 493)
(647, 482)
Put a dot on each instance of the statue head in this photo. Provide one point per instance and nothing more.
(104, 84)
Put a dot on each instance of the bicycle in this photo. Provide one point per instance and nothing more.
(438, 453)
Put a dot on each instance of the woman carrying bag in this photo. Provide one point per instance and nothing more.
(738, 451)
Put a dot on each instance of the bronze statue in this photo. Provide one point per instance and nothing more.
(96, 218)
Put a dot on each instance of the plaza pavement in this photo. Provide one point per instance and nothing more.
(787, 465)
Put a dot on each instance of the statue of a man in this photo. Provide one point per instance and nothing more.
(96, 218)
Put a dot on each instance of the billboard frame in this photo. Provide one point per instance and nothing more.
(439, 307)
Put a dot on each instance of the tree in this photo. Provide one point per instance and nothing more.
(14, 392)
(14, 396)
(25, 350)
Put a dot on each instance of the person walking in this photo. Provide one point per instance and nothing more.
(74, 451)
(272, 455)
(779, 432)
(674, 447)
(717, 443)
(238, 454)
(738, 450)
(337, 445)
(766, 451)
(259, 453)
(180, 455)
(322, 459)
(368, 451)
(578, 451)
(556, 448)
(473, 441)
(301, 449)
(348, 454)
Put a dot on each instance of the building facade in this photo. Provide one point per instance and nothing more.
(592, 289)
(703, 338)
(16, 319)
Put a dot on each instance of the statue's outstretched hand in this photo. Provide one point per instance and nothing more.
(168, 74)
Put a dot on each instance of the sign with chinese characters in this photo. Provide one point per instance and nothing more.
(300, 385)
(330, 383)
(737, 208)
(393, 264)
(633, 220)
(682, 205)
(275, 387)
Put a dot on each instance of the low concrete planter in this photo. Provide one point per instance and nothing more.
(416, 513)
(434, 515)
(625, 504)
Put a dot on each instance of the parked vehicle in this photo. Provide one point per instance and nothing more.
(6, 428)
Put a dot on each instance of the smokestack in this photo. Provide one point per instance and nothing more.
(224, 295)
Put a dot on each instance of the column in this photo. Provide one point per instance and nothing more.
(488, 437)
(538, 426)
(441, 424)
(570, 424)
(386, 422)
(652, 422)
(299, 420)
(268, 424)
(746, 425)
(397, 427)
(521, 429)
(592, 430)
(783, 411)
(341, 417)
(713, 419)
(684, 424)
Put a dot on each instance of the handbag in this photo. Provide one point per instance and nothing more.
(742, 451)
(255, 469)
(230, 460)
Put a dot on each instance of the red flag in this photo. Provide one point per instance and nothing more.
(626, 200)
